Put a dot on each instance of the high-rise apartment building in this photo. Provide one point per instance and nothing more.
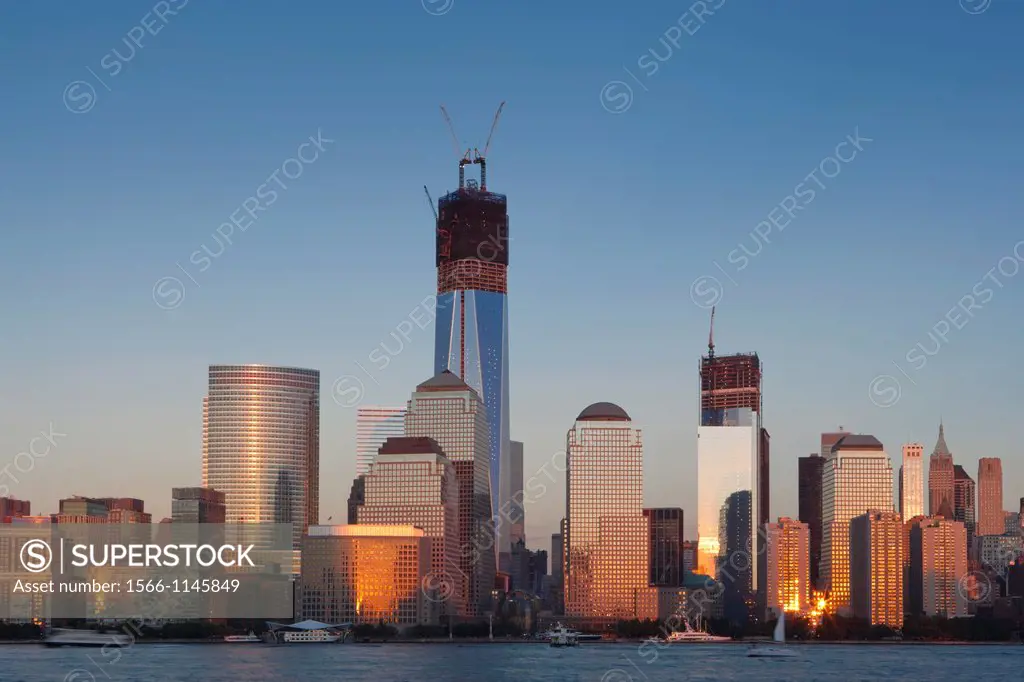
(964, 502)
(374, 425)
(789, 571)
(665, 544)
(412, 483)
(12, 508)
(940, 478)
(876, 567)
(606, 571)
(938, 564)
(857, 478)
(261, 444)
(1011, 523)
(446, 409)
(197, 505)
(367, 574)
(912, 481)
(990, 497)
(471, 329)
(732, 471)
(809, 472)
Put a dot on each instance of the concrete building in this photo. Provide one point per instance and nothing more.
(938, 564)
(14, 508)
(911, 494)
(789, 571)
(606, 570)
(197, 505)
(367, 574)
(990, 497)
(876, 568)
(940, 478)
(412, 483)
(857, 478)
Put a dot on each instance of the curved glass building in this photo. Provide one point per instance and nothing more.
(261, 444)
(472, 320)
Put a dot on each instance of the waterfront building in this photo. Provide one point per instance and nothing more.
(14, 508)
(809, 471)
(197, 505)
(789, 571)
(665, 544)
(938, 565)
(911, 494)
(876, 568)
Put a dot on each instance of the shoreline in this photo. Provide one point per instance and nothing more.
(474, 642)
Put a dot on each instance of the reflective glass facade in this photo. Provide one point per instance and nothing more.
(374, 425)
(912, 481)
(606, 533)
(789, 571)
(261, 443)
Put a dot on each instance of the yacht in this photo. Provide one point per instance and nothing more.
(580, 637)
(562, 637)
(690, 636)
(250, 638)
(779, 637)
(89, 638)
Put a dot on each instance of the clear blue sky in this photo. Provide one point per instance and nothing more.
(612, 218)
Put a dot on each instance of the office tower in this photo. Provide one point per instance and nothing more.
(367, 574)
(13, 508)
(1011, 522)
(857, 478)
(374, 425)
(665, 544)
(940, 479)
(261, 444)
(688, 556)
(516, 512)
(448, 410)
(990, 497)
(732, 467)
(556, 557)
(197, 505)
(606, 532)
(413, 483)
(789, 570)
(528, 570)
(912, 481)
(356, 496)
(471, 335)
(876, 567)
(964, 502)
(996, 551)
(938, 564)
(809, 473)
(830, 439)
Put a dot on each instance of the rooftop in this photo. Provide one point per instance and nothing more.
(857, 442)
(605, 412)
(445, 381)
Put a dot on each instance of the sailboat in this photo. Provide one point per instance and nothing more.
(780, 639)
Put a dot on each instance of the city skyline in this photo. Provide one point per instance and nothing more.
(82, 342)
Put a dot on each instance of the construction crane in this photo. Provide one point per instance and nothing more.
(711, 336)
(430, 200)
(472, 155)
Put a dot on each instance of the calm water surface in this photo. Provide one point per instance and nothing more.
(497, 662)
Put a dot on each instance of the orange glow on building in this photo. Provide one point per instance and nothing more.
(876, 567)
(789, 581)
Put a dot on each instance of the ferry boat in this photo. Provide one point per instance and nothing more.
(311, 636)
(85, 638)
(562, 637)
(250, 638)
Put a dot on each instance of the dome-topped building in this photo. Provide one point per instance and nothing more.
(604, 412)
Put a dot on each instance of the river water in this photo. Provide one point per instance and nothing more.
(497, 662)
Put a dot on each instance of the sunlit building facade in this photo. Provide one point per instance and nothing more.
(366, 574)
(938, 564)
(732, 478)
(990, 497)
(911, 493)
(606, 533)
(197, 505)
(857, 478)
(261, 444)
(789, 571)
(940, 478)
(413, 483)
(876, 567)
(449, 411)
(374, 425)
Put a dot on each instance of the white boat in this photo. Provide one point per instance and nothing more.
(779, 637)
(562, 637)
(250, 638)
(688, 635)
(311, 636)
(87, 638)
(580, 637)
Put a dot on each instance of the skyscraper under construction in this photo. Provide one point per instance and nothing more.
(732, 479)
(472, 313)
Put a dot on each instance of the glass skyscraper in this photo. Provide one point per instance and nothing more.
(374, 425)
(261, 444)
(472, 319)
